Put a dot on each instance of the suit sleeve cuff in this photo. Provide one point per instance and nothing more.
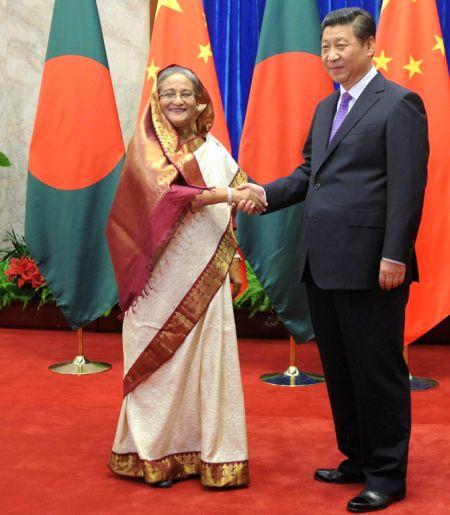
(394, 261)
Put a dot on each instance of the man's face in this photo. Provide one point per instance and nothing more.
(345, 57)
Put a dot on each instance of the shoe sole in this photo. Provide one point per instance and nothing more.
(364, 510)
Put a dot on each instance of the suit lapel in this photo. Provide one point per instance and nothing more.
(324, 121)
(366, 100)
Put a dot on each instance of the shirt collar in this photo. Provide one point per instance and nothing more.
(359, 87)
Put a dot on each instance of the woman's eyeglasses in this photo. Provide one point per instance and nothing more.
(172, 95)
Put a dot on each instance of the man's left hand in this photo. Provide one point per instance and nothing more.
(235, 276)
(391, 274)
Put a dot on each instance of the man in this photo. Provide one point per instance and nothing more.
(363, 181)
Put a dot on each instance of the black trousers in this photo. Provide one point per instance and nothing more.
(360, 339)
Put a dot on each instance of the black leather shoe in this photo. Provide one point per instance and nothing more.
(337, 476)
(370, 500)
(164, 484)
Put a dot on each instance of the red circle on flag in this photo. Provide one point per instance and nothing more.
(274, 133)
(77, 138)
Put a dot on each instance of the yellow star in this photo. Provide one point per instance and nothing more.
(382, 61)
(205, 52)
(170, 4)
(413, 67)
(439, 45)
(152, 70)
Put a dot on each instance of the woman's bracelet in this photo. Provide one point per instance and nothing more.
(229, 196)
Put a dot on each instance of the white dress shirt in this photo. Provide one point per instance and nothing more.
(356, 90)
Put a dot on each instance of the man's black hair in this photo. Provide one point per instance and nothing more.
(362, 21)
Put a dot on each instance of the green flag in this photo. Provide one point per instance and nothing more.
(288, 82)
(76, 155)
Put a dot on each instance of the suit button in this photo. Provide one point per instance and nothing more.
(317, 186)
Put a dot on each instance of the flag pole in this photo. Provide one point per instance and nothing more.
(292, 376)
(80, 365)
(418, 383)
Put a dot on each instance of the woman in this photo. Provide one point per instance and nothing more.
(172, 243)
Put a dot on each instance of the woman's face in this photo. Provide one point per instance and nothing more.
(178, 100)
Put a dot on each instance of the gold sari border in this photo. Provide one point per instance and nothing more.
(181, 466)
(180, 323)
(239, 177)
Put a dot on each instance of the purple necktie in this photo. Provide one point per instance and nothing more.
(341, 114)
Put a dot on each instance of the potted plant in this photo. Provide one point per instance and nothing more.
(23, 290)
(20, 278)
(26, 299)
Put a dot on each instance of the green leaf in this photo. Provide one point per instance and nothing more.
(46, 296)
(16, 246)
(107, 312)
(254, 298)
(4, 161)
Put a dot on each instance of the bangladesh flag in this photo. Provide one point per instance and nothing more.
(76, 156)
(288, 82)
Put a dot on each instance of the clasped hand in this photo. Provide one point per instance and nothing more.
(250, 198)
(391, 274)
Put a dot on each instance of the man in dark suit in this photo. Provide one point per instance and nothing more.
(363, 181)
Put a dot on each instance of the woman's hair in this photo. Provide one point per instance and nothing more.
(171, 70)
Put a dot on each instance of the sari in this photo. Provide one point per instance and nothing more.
(183, 408)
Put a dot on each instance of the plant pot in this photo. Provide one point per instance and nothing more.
(261, 325)
(49, 316)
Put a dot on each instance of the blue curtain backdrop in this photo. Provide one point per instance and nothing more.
(234, 30)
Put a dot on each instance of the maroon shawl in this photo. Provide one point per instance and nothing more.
(159, 180)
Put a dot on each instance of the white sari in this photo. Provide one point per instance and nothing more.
(187, 417)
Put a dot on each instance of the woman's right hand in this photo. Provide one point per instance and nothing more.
(250, 198)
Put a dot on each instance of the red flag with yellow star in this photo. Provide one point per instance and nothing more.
(180, 36)
(410, 51)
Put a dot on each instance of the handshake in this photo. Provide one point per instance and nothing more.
(249, 198)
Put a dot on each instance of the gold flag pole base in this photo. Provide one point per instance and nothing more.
(418, 384)
(80, 365)
(292, 376)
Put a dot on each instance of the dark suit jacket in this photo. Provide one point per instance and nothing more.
(364, 191)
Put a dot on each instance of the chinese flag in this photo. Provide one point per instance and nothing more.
(180, 36)
(410, 51)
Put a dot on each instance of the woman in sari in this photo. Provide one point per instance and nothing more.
(172, 245)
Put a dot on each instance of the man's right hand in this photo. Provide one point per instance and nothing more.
(248, 206)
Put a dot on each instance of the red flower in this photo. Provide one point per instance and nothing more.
(26, 271)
